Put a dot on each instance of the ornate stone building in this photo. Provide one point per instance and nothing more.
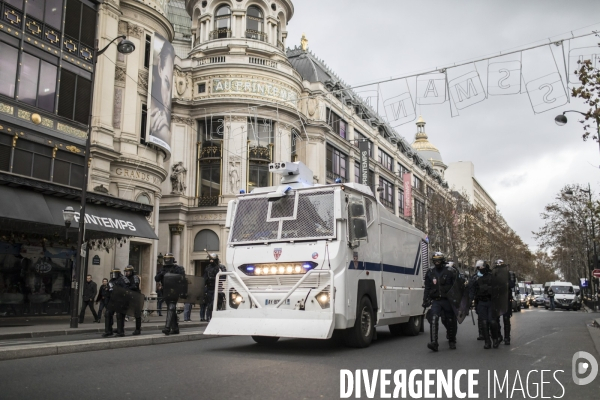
(241, 101)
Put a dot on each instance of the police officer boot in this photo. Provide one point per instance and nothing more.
(480, 327)
(107, 327)
(174, 326)
(452, 330)
(433, 331)
(138, 326)
(495, 334)
(170, 316)
(507, 331)
(120, 325)
(485, 326)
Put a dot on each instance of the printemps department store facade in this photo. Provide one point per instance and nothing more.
(241, 101)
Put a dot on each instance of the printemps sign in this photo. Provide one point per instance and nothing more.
(255, 87)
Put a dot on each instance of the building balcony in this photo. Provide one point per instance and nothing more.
(259, 154)
(209, 153)
(208, 201)
(332, 176)
(256, 35)
(222, 33)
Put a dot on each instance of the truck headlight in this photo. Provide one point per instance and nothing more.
(295, 268)
(323, 298)
(235, 299)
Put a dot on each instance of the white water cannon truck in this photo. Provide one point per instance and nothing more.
(304, 260)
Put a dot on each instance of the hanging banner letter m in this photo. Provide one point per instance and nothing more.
(431, 88)
(466, 90)
(363, 147)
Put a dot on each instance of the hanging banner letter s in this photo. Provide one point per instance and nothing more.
(546, 93)
(431, 88)
(504, 78)
(466, 90)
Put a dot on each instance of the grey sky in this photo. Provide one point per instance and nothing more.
(520, 158)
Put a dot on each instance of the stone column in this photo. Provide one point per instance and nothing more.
(176, 240)
(154, 256)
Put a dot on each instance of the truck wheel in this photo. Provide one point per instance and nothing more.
(265, 339)
(361, 334)
(396, 329)
(413, 326)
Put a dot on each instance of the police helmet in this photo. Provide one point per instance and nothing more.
(480, 264)
(169, 259)
(213, 258)
(129, 271)
(438, 258)
(115, 273)
(499, 263)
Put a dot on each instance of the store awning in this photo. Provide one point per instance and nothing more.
(40, 209)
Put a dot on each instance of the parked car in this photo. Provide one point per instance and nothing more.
(524, 300)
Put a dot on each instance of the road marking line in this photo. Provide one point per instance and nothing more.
(514, 348)
(541, 359)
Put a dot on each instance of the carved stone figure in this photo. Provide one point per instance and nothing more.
(178, 172)
(234, 175)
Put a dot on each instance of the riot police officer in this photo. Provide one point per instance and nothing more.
(210, 280)
(170, 267)
(438, 282)
(481, 292)
(479, 264)
(508, 314)
(116, 279)
(134, 284)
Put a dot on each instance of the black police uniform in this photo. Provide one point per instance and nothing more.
(210, 279)
(481, 292)
(479, 320)
(508, 314)
(171, 324)
(134, 285)
(123, 282)
(438, 282)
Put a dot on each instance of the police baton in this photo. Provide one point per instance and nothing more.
(472, 317)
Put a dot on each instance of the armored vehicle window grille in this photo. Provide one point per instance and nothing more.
(369, 205)
(284, 207)
(311, 216)
(424, 257)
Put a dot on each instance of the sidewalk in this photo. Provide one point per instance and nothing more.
(36, 327)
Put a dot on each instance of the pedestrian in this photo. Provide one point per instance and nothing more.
(438, 282)
(551, 297)
(89, 294)
(102, 298)
(187, 312)
(481, 291)
(159, 298)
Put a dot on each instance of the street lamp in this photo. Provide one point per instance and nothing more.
(68, 216)
(124, 47)
(561, 120)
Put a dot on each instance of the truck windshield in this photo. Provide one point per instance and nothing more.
(563, 289)
(298, 215)
(537, 291)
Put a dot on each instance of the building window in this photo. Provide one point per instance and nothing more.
(147, 51)
(386, 160)
(255, 24)
(402, 170)
(336, 164)
(206, 239)
(32, 159)
(419, 215)
(337, 124)
(5, 151)
(143, 123)
(359, 136)
(8, 69)
(294, 149)
(417, 184)
(143, 198)
(80, 30)
(222, 23)
(370, 178)
(37, 86)
(387, 195)
(75, 97)
(401, 201)
(210, 135)
(201, 87)
(260, 152)
(430, 192)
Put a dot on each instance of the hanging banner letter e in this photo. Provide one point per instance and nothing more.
(431, 88)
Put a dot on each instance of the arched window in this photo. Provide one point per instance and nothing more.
(255, 24)
(222, 23)
(206, 239)
(143, 198)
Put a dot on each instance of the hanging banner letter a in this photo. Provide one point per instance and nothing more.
(466, 90)
(431, 88)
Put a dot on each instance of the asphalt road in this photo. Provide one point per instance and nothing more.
(235, 367)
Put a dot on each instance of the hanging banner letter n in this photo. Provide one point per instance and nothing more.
(363, 147)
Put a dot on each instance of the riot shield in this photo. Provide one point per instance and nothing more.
(125, 301)
(459, 297)
(500, 281)
(175, 287)
(195, 290)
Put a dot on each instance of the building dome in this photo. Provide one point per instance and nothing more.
(425, 148)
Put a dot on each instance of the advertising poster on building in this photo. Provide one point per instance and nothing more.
(407, 177)
(363, 147)
(159, 101)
